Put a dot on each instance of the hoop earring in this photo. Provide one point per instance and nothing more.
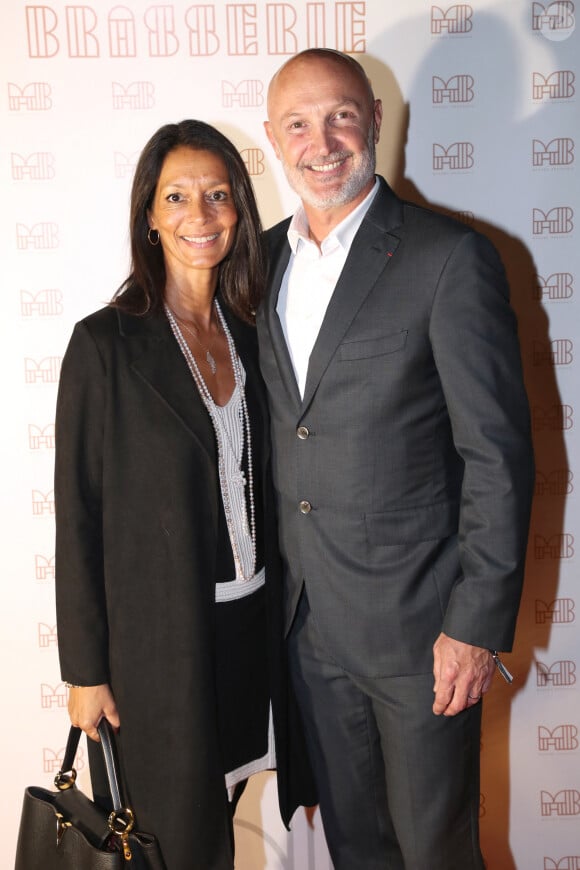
(150, 237)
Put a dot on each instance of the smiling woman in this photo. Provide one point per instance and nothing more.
(166, 567)
(194, 213)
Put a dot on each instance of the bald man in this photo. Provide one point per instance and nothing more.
(404, 471)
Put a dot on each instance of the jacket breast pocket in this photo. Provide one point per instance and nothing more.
(372, 347)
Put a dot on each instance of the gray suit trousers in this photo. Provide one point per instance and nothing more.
(398, 786)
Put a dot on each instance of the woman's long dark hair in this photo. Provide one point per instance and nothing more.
(241, 273)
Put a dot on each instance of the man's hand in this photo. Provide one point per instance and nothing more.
(88, 704)
(463, 673)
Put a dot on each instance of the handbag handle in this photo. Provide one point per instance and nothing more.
(122, 820)
(66, 776)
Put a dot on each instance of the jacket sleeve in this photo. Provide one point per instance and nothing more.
(80, 591)
(474, 339)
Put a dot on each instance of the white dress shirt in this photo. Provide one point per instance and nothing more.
(309, 282)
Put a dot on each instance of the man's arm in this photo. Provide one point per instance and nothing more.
(475, 345)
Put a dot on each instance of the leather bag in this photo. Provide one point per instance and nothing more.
(65, 830)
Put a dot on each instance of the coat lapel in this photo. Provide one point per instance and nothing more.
(279, 256)
(155, 356)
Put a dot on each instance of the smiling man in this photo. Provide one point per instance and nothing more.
(404, 470)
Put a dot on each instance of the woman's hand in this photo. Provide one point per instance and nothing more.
(88, 704)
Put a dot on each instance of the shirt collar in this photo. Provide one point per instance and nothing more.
(342, 234)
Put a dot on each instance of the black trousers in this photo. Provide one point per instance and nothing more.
(398, 786)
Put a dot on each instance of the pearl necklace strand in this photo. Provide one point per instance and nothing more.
(209, 358)
(209, 403)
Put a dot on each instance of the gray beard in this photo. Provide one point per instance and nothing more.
(351, 187)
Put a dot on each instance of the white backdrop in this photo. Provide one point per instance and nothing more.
(482, 120)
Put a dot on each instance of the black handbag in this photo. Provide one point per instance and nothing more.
(65, 830)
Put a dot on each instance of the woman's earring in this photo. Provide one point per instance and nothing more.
(153, 239)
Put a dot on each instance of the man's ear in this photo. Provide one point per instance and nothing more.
(378, 117)
(271, 139)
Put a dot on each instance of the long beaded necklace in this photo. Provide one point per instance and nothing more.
(209, 357)
(222, 435)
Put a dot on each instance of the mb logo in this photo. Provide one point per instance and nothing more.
(457, 89)
(569, 862)
(557, 152)
(44, 371)
(561, 611)
(553, 417)
(40, 237)
(556, 547)
(558, 674)
(124, 164)
(254, 160)
(554, 288)
(53, 697)
(248, 94)
(556, 222)
(46, 635)
(465, 217)
(563, 803)
(43, 568)
(556, 482)
(454, 19)
(563, 738)
(42, 503)
(52, 760)
(41, 437)
(137, 95)
(558, 85)
(33, 97)
(458, 155)
(553, 16)
(45, 303)
(559, 352)
(38, 166)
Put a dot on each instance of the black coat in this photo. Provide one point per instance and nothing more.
(137, 510)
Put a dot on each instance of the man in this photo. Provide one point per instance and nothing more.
(403, 468)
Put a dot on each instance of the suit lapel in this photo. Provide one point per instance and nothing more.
(373, 247)
(370, 254)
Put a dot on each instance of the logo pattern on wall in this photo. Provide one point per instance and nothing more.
(84, 87)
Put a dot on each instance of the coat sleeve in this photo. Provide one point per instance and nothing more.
(474, 339)
(80, 592)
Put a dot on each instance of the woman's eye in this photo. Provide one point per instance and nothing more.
(174, 197)
(218, 195)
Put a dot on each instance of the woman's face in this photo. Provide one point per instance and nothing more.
(193, 211)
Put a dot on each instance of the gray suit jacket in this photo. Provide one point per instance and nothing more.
(415, 459)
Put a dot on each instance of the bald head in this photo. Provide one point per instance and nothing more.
(323, 59)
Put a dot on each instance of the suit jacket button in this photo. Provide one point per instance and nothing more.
(305, 507)
(303, 432)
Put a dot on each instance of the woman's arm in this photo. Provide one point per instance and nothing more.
(80, 587)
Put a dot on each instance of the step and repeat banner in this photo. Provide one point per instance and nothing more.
(481, 120)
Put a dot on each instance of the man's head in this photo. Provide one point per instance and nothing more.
(324, 123)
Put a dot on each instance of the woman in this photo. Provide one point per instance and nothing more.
(163, 512)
